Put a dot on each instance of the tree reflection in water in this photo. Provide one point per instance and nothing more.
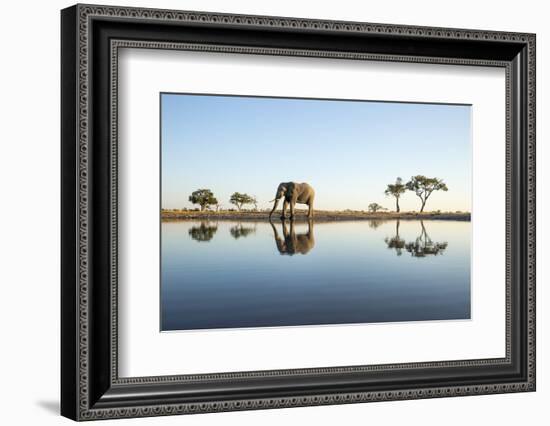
(375, 223)
(396, 242)
(239, 231)
(422, 246)
(204, 232)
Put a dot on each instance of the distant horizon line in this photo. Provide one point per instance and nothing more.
(232, 209)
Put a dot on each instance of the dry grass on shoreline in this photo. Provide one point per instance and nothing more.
(320, 215)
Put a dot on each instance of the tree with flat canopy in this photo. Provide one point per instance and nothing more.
(239, 200)
(396, 190)
(375, 207)
(204, 198)
(424, 186)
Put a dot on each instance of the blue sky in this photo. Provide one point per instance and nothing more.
(347, 150)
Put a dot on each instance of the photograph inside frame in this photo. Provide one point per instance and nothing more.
(348, 209)
(295, 211)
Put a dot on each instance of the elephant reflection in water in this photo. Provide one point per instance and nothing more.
(293, 243)
(422, 246)
(204, 232)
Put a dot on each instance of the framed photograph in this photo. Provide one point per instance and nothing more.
(263, 212)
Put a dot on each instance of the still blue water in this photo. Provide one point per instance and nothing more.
(224, 274)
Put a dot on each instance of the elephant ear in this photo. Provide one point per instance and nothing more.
(291, 187)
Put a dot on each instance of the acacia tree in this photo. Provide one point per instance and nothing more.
(254, 200)
(375, 207)
(239, 200)
(395, 190)
(424, 186)
(203, 197)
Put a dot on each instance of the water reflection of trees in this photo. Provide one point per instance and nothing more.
(292, 243)
(396, 242)
(375, 223)
(422, 246)
(239, 231)
(204, 232)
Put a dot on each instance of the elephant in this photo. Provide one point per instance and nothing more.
(292, 243)
(294, 193)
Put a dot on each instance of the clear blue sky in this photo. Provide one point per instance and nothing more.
(348, 151)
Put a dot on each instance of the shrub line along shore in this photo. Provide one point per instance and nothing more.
(319, 216)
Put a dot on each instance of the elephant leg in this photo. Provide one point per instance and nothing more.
(310, 211)
(292, 209)
(285, 204)
(285, 230)
(290, 238)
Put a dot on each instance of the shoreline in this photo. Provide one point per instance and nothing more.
(319, 216)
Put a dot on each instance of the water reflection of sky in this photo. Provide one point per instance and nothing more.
(229, 274)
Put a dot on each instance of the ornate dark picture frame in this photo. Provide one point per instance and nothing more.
(91, 37)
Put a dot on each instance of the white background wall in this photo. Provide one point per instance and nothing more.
(29, 214)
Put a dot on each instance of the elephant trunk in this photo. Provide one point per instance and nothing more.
(274, 206)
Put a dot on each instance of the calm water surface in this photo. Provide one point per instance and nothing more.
(229, 274)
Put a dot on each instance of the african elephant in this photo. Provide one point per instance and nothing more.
(294, 193)
(291, 243)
